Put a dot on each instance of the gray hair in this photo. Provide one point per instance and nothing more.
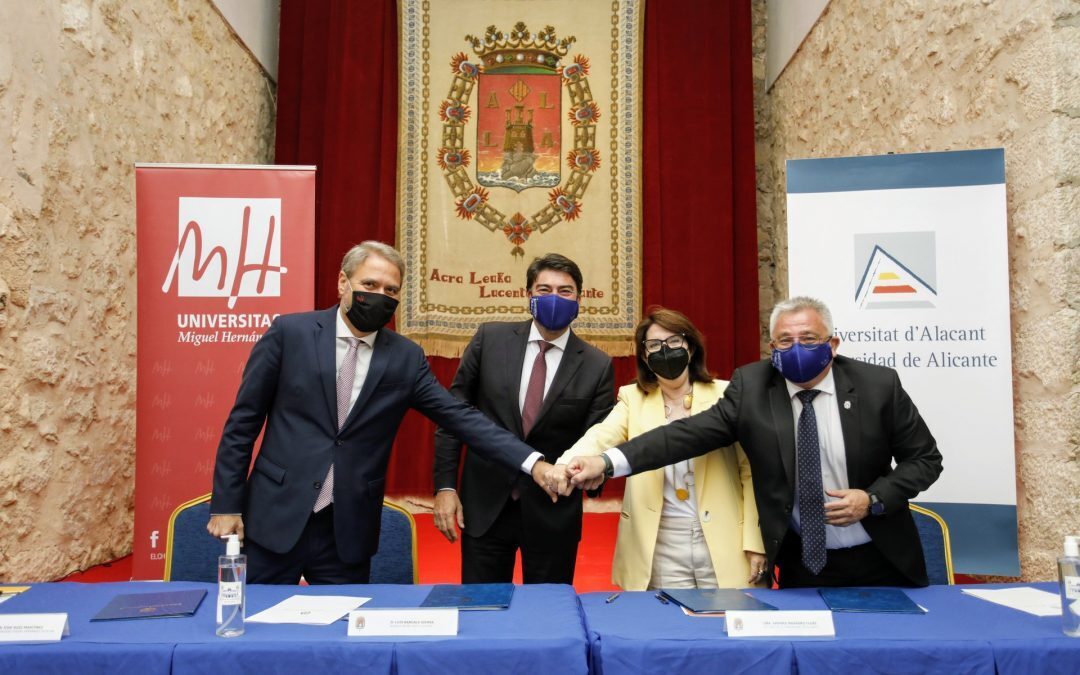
(797, 304)
(356, 256)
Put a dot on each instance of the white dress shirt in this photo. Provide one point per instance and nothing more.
(363, 362)
(363, 356)
(833, 459)
(552, 358)
(679, 475)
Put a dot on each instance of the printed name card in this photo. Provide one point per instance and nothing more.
(33, 627)
(384, 622)
(816, 623)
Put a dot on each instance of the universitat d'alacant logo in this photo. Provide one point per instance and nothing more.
(895, 270)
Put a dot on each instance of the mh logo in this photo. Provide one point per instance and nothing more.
(227, 248)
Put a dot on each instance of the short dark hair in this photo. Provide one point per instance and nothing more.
(552, 261)
(677, 323)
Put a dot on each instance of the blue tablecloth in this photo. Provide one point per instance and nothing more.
(542, 630)
(959, 634)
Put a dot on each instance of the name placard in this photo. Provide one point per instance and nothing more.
(815, 623)
(387, 622)
(33, 627)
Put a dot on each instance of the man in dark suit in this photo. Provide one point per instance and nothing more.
(332, 387)
(821, 432)
(544, 384)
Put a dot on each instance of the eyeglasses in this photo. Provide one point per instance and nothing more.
(672, 342)
(808, 341)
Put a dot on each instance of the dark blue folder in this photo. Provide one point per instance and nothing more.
(891, 600)
(713, 600)
(470, 596)
(151, 605)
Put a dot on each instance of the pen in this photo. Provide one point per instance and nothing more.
(662, 599)
(612, 598)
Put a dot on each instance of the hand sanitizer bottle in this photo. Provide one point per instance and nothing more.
(232, 574)
(1069, 576)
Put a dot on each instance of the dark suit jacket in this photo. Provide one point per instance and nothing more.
(880, 425)
(489, 376)
(290, 384)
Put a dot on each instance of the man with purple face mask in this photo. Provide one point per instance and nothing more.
(544, 384)
(822, 433)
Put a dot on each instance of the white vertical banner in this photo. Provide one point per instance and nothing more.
(910, 253)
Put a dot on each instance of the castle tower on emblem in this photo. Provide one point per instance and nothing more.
(519, 120)
(519, 158)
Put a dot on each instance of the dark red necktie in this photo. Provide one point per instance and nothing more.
(534, 395)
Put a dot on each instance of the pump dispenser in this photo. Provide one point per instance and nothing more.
(1069, 577)
(232, 576)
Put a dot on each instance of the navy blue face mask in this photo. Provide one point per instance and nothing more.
(554, 312)
(801, 363)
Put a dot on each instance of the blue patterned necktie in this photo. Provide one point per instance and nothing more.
(811, 493)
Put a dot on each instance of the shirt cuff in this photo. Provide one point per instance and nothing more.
(446, 490)
(530, 462)
(618, 460)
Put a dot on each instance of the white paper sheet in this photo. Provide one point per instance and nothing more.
(1025, 599)
(318, 610)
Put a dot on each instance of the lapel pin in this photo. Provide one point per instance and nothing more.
(847, 405)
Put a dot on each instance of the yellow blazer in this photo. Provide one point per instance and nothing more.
(725, 495)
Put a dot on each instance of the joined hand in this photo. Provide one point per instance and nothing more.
(551, 479)
(586, 473)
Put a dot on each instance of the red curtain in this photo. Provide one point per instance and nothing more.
(337, 109)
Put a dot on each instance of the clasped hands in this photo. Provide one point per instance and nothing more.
(586, 473)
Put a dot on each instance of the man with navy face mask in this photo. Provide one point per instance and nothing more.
(821, 432)
(541, 382)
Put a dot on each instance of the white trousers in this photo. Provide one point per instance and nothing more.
(681, 558)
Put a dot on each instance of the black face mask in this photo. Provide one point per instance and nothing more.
(669, 363)
(370, 311)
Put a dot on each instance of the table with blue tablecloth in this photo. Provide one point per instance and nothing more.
(958, 634)
(541, 631)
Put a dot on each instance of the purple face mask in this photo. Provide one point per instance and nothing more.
(801, 363)
(554, 312)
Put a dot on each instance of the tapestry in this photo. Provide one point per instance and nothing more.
(519, 135)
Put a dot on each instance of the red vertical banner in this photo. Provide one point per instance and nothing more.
(222, 251)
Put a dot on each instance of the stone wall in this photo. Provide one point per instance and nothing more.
(87, 88)
(923, 75)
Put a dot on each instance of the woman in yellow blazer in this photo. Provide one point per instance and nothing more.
(694, 523)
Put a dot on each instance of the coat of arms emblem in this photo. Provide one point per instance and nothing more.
(519, 78)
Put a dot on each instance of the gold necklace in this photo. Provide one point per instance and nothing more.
(687, 401)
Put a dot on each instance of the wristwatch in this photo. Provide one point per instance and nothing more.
(877, 507)
(609, 468)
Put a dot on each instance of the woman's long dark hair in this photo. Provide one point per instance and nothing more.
(676, 322)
